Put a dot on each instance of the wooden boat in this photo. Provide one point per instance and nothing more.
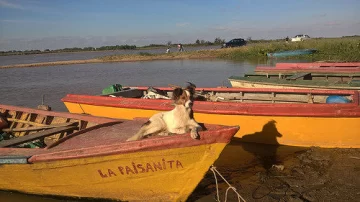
(318, 64)
(297, 80)
(26, 124)
(296, 117)
(98, 163)
(349, 68)
(291, 69)
(292, 53)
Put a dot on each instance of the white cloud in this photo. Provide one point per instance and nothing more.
(7, 4)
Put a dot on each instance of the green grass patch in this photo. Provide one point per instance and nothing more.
(334, 49)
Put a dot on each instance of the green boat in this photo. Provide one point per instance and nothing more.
(297, 80)
(292, 53)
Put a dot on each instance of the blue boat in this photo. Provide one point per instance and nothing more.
(292, 53)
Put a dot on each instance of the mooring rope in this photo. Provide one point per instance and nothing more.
(215, 171)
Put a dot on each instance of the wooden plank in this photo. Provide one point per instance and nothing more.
(26, 122)
(34, 136)
(296, 76)
(34, 128)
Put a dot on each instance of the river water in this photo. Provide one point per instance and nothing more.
(26, 86)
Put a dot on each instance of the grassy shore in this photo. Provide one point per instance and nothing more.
(334, 49)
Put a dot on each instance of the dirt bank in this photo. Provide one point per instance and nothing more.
(313, 174)
(125, 58)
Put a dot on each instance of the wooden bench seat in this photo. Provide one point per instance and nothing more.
(298, 75)
(34, 136)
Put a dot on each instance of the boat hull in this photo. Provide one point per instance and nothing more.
(238, 83)
(319, 64)
(156, 176)
(324, 130)
(294, 69)
(100, 164)
(291, 53)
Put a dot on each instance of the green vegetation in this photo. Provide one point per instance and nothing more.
(328, 49)
(344, 49)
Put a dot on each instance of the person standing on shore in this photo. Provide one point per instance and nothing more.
(180, 47)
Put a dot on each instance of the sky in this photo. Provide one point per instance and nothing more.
(55, 24)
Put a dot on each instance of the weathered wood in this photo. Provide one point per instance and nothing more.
(296, 76)
(26, 122)
(34, 136)
(38, 127)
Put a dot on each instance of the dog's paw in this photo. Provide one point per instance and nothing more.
(195, 135)
(132, 139)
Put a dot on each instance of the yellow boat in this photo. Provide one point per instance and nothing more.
(294, 117)
(300, 80)
(98, 163)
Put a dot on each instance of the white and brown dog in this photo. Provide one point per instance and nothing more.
(177, 121)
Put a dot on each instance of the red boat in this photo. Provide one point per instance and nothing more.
(349, 68)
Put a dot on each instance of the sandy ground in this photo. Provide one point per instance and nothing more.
(124, 58)
(300, 174)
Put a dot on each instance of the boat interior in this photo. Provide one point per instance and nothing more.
(240, 95)
(29, 129)
(339, 78)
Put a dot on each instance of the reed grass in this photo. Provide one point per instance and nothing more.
(330, 49)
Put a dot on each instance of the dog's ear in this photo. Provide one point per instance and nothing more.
(177, 93)
(191, 88)
(190, 85)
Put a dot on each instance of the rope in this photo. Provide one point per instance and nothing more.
(213, 169)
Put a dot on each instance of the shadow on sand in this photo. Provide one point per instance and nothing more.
(266, 148)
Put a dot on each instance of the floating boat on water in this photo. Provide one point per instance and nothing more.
(344, 70)
(318, 64)
(291, 53)
(296, 117)
(349, 68)
(300, 80)
(97, 162)
(23, 125)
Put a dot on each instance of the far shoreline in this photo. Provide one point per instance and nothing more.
(327, 50)
(125, 58)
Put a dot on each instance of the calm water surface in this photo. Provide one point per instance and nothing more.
(25, 87)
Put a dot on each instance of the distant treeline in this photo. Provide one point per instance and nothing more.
(198, 42)
(75, 49)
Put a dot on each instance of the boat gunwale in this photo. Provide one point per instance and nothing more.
(318, 64)
(332, 70)
(222, 134)
(234, 108)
